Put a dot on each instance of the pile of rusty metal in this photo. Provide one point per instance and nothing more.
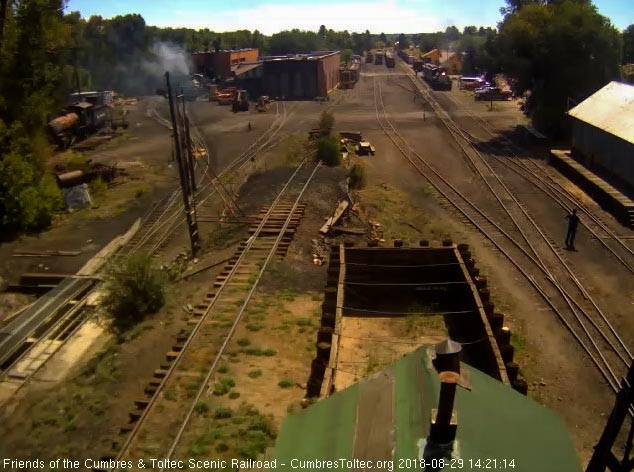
(94, 171)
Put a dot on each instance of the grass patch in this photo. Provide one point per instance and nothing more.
(260, 352)
(233, 395)
(255, 326)
(254, 374)
(518, 341)
(201, 408)
(223, 369)
(223, 386)
(223, 413)
(285, 383)
(244, 342)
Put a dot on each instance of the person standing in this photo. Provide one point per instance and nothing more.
(573, 222)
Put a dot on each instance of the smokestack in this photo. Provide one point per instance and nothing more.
(444, 423)
(447, 356)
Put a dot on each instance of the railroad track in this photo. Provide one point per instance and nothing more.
(67, 312)
(517, 236)
(160, 224)
(535, 173)
(39, 337)
(159, 423)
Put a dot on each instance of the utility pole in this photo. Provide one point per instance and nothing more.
(183, 173)
(189, 157)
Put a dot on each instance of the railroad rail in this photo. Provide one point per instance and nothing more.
(26, 343)
(160, 224)
(542, 269)
(536, 174)
(194, 361)
(29, 341)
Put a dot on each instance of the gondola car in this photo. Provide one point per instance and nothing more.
(389, 60)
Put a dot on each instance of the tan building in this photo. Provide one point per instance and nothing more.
(221, 62)
(449, 60)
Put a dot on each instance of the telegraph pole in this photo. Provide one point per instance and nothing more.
(183, 173)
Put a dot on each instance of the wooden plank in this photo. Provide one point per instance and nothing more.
(345, 230)
(340, 210)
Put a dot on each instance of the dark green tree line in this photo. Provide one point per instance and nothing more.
(557, 50)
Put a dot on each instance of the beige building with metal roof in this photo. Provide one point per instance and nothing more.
(603, 133)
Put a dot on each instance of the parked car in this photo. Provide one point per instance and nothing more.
(494, 93)
(484, 87)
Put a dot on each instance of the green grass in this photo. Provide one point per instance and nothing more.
(518, 341)
(223, 413)
(223, 386)
(260, 352)
(255, 326)
(254, 374)
(233, 395)
(201, 408)
(243, 342)
(285, 383)
(223, 369)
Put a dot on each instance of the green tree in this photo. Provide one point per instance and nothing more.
(346, 54)
(403, 42)
(34, 39)
(322, 32)
(326, 122)
(559, 50)
(134, 289)
(383, 38)
(628, 45)
(328, 150)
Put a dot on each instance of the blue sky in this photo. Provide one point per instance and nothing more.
(389, 16)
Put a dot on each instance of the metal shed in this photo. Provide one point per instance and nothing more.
(302, 76)
(603, 132)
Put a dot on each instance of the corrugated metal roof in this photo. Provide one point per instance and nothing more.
(610, 109)
(244, 67)
(494, 421)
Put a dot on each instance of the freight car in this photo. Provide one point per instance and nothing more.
(378, 57)
(369, 58)
(389, 60)
(76, 122)
(436, 77)
(418, 65)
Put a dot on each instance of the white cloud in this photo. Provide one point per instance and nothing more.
(377, 16)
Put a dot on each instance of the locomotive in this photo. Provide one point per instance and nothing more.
(436, 77)
(76, 122)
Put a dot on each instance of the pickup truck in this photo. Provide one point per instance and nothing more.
(493, 93)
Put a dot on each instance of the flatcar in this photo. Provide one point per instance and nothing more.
(436, 77)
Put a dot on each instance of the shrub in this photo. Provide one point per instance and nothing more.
(201, 407)
(133, 290)
(223, 369)
(285, 383)
(223, 413)
(326, 122)
(254, 374)
(357, 176)
(223, 386)
(234, 395)
(243, 342)
(328, 150)
(98, 186)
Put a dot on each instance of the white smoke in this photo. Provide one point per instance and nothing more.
(167, 57)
